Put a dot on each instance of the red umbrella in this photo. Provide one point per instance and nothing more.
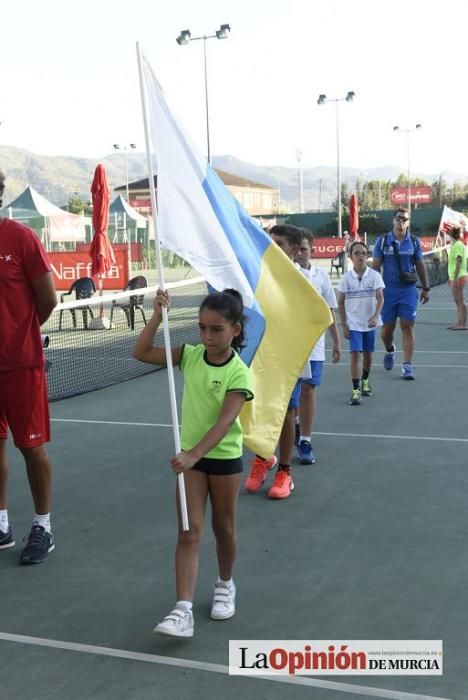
(100, 251)
(354, 218)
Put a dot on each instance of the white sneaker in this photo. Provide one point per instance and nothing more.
(224, 601)
(179, 623)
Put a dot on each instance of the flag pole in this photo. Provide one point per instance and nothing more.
(167, 339)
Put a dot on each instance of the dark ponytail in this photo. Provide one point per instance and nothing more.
(230, 306)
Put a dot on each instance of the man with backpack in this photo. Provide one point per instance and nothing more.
(398, 255)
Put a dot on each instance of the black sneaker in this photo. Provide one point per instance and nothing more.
(39, 544)
(6, 538)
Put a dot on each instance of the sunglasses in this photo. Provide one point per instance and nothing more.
(401, 218)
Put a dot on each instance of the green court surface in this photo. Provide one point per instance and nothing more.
(371, 545)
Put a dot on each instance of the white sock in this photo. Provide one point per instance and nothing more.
(4, 523)
(229, 583)
(42, 520)
(305, 437)
(184, 605)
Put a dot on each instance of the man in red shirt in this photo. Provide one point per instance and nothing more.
(27, 298)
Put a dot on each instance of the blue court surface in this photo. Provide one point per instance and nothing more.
(370, 546)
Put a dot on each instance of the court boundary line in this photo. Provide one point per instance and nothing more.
(325, 434)
(417, 365)
(212, 668)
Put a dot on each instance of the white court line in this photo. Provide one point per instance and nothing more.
(354, 435)
(213, 668)
(417, 365)
(112, 422)
(428, 352)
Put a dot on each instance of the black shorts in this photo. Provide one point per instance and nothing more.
(219, 467)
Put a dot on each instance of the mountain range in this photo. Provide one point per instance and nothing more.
(58, 178)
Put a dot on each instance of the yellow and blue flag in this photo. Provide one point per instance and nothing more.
(203, 223)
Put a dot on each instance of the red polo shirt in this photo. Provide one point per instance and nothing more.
(22, 260)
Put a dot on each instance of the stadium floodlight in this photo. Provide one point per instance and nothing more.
(408, 133)
(323, 99)
(125, 149)
(184, 38)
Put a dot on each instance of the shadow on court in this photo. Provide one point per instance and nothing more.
(371, 545)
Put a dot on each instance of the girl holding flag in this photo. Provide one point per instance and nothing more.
(216, 385)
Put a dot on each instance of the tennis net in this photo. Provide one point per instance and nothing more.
(90, 341)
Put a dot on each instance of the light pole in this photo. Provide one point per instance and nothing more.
(321, 101)
(184, 38)
(301, 180)
(125, 149)
(408, 132)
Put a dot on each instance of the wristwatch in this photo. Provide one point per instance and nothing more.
(426, 289)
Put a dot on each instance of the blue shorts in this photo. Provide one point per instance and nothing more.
(360, 341)
(316, 369)
(399, 303)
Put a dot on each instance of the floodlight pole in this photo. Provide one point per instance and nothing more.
(301, 180)
(408, 133)
(125, 149)
(322, 99)
(184, 38)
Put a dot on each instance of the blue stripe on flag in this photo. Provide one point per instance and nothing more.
(247, 239)
(249, 244)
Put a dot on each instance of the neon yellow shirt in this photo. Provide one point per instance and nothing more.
(205, 388)
(457, 248)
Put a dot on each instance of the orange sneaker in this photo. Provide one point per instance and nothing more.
(282, 485)
(258, 472)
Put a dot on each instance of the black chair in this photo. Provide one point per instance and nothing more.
(84, 288)
(134, 302)
(338, 263)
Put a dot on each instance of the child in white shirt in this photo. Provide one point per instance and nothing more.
(360, 300)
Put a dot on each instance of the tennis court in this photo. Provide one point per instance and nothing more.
(371, 545)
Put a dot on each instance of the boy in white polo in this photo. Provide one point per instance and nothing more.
(360, 300)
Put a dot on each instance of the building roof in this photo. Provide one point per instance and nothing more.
(231, 180)
(228, 179)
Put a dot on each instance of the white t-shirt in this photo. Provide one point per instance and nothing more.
(360, 298)
(321, 281)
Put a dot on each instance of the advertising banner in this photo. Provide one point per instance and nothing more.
(419, 195)
(328, 247)
(69, 266)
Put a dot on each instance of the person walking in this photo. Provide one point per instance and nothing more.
(216, 385)
(360, 300)
(398, 255)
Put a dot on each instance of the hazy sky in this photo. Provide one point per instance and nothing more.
(69, 80)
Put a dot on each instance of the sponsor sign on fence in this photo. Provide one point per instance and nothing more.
(69, 266)
(419, 195)
(328, 247)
